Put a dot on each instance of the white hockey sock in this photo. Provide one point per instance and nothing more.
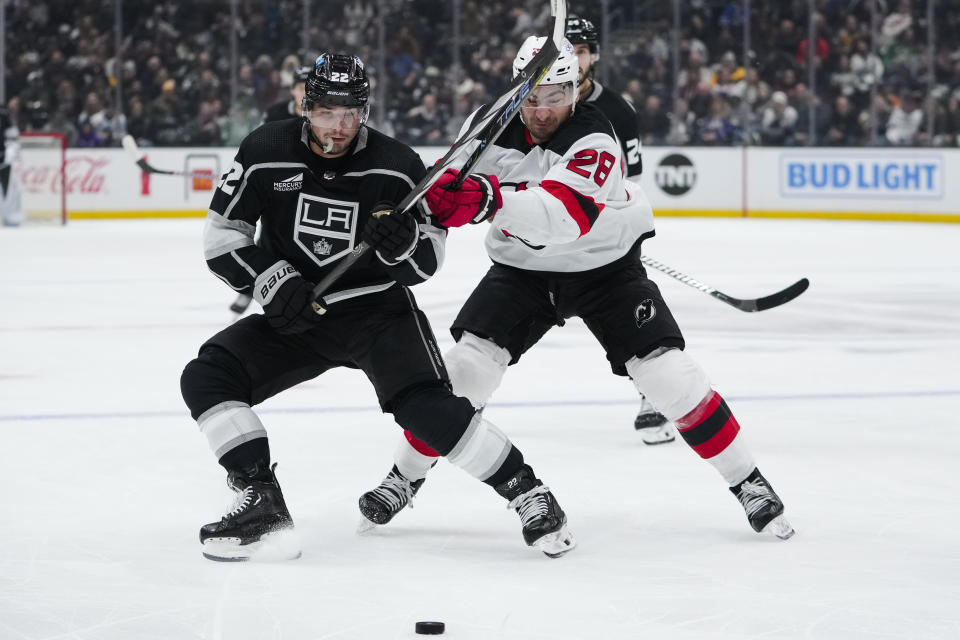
(679, 388)
(410, 462)
(481, 450)
(228, 425)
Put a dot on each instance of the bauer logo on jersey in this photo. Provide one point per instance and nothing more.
(645, 312)
(325, 228)
(293, 183)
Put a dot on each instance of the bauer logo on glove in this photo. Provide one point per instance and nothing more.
(474, 201)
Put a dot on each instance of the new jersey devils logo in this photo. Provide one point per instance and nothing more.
(645, 312)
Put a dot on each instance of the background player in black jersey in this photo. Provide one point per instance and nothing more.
(279, 111)
(11, 212)
(318, 185)
(290, 108)
(564, 236)
(653, 426)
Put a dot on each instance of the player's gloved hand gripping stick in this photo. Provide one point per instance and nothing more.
(484, 130)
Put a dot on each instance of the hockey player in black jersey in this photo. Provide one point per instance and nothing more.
(279, 111)
(565, 233)
(654, 428)
(319, 185)
(290, 108)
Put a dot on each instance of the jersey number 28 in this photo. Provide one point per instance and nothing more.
(583, 161)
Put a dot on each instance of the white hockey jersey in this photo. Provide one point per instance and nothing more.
(567, 206)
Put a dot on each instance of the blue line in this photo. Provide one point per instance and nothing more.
(501, 405)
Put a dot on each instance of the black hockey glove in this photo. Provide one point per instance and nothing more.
(287, 299)
(392, 234)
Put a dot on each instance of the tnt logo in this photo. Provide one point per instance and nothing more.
(325, 228)
(675, 174)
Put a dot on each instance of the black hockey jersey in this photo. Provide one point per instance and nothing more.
(312, 210)
(624, 119)
(280, 111)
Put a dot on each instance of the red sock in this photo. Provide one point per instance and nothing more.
(710, 427)
(419, 445)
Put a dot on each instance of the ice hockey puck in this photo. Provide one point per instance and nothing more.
(429, 628)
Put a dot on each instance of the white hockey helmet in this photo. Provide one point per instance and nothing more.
(565, 69)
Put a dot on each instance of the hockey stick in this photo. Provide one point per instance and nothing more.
(140, 159)
(485, 131)
(753, 304)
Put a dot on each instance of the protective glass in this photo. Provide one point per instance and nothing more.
(551, 96)
(333, 117)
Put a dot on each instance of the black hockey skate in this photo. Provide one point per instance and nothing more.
(762, 505)
(544, 522)
(653, 426)
(387, 500)
(255, 524)
(241, 304)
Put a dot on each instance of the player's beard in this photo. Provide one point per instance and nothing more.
(335, 142)
(542, 129)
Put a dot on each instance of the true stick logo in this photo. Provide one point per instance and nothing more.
(675, 174)
(645, 312)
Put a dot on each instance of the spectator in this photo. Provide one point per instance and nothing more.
(426, 123)
(904, 123)
(682, 124)
(87, 136)
(844, 128)
(139, 124)
(809, 105)
(717, 128)
(867, 70)
(779, 121)
(110, 125)
(654, 125)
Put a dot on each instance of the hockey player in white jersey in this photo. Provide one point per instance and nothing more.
(654, 428)
(565, 234)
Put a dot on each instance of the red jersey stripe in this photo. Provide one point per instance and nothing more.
(583, 209)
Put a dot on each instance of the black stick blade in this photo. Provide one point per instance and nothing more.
(767, 302)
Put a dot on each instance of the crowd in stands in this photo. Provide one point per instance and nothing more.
(62, 71)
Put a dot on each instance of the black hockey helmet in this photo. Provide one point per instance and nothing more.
(582, 31)
(301, 74)
(337, 80)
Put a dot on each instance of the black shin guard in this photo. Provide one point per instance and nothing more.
(434, 415)
(213, 377)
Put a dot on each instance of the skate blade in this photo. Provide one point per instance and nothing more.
(658, 435)
(271, 547)
(780, 528)
(365, 526)
(556, 544)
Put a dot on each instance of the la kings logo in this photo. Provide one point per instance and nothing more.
(325, 228)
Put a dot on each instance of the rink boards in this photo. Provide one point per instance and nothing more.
(849, 183)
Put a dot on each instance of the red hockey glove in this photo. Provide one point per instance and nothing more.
(477, 199)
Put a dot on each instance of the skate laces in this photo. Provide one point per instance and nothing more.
(395, 491)
(241, 502)
(754, 496)
(531, 505)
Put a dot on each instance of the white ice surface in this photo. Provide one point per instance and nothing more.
(848, 396)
